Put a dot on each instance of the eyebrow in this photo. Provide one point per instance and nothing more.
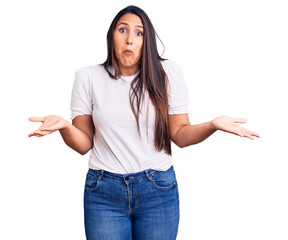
(128, 24)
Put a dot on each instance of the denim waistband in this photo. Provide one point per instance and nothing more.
(126, 177)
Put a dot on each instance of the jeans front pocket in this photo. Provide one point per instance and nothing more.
(92, 181)
(164, 179)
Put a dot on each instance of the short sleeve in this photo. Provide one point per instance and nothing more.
(178, 97)
(81, 101)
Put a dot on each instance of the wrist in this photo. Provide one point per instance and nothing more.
(66, 125)
(213, 125)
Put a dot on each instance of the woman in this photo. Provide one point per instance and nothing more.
(127, 111)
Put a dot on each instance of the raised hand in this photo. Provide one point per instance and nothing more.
(229, 124)
(50, 124)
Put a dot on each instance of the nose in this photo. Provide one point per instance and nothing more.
(129, 40)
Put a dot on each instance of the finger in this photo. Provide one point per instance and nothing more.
(239, 134)
(251, 134)
(31, 134)
(39, 133)
(243, 132)
(256, 134)
(240, 120)
(34, 134)
(48, 131)
(36, 119)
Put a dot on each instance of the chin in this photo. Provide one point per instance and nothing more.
(128, 64)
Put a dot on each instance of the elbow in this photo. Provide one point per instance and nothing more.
(181, 146)
(83, 151)
(186, 144)
(179, 143)
(183, 143)
(80, 151)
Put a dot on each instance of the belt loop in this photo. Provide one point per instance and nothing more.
(101, 175)
(148, 176)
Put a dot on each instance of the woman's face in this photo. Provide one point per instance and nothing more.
(128, 42)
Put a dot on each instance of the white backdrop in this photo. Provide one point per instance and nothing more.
(234, 58)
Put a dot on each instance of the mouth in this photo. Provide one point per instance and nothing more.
(127, 51)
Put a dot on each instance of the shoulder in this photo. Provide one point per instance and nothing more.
(172, 70)
(170, 66)
(91, 70)
(87, 75)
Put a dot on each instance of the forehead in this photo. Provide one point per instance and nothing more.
(130, 19)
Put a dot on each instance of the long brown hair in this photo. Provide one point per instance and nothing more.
(151, 76)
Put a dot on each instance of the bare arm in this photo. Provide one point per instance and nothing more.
(184, 134)
(78, 135)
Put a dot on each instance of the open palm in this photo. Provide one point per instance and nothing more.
(229, 124)
(50, 124)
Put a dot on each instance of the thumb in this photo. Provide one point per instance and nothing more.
(36, 119)
(240, 120)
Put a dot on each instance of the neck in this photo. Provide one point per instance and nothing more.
(128, 71)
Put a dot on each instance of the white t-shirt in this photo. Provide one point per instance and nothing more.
(117, 146)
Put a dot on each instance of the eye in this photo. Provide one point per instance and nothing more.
(139, 34)
(122, 30)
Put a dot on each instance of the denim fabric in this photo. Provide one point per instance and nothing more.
(139, 206)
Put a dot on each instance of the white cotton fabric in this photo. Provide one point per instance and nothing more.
(117, 145)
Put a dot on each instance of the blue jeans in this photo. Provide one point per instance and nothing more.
(138, 206)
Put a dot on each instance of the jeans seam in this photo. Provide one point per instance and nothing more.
(163, 187)
(93, 188)
(136, 197)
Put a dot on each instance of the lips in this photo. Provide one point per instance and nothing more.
(127, 51)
